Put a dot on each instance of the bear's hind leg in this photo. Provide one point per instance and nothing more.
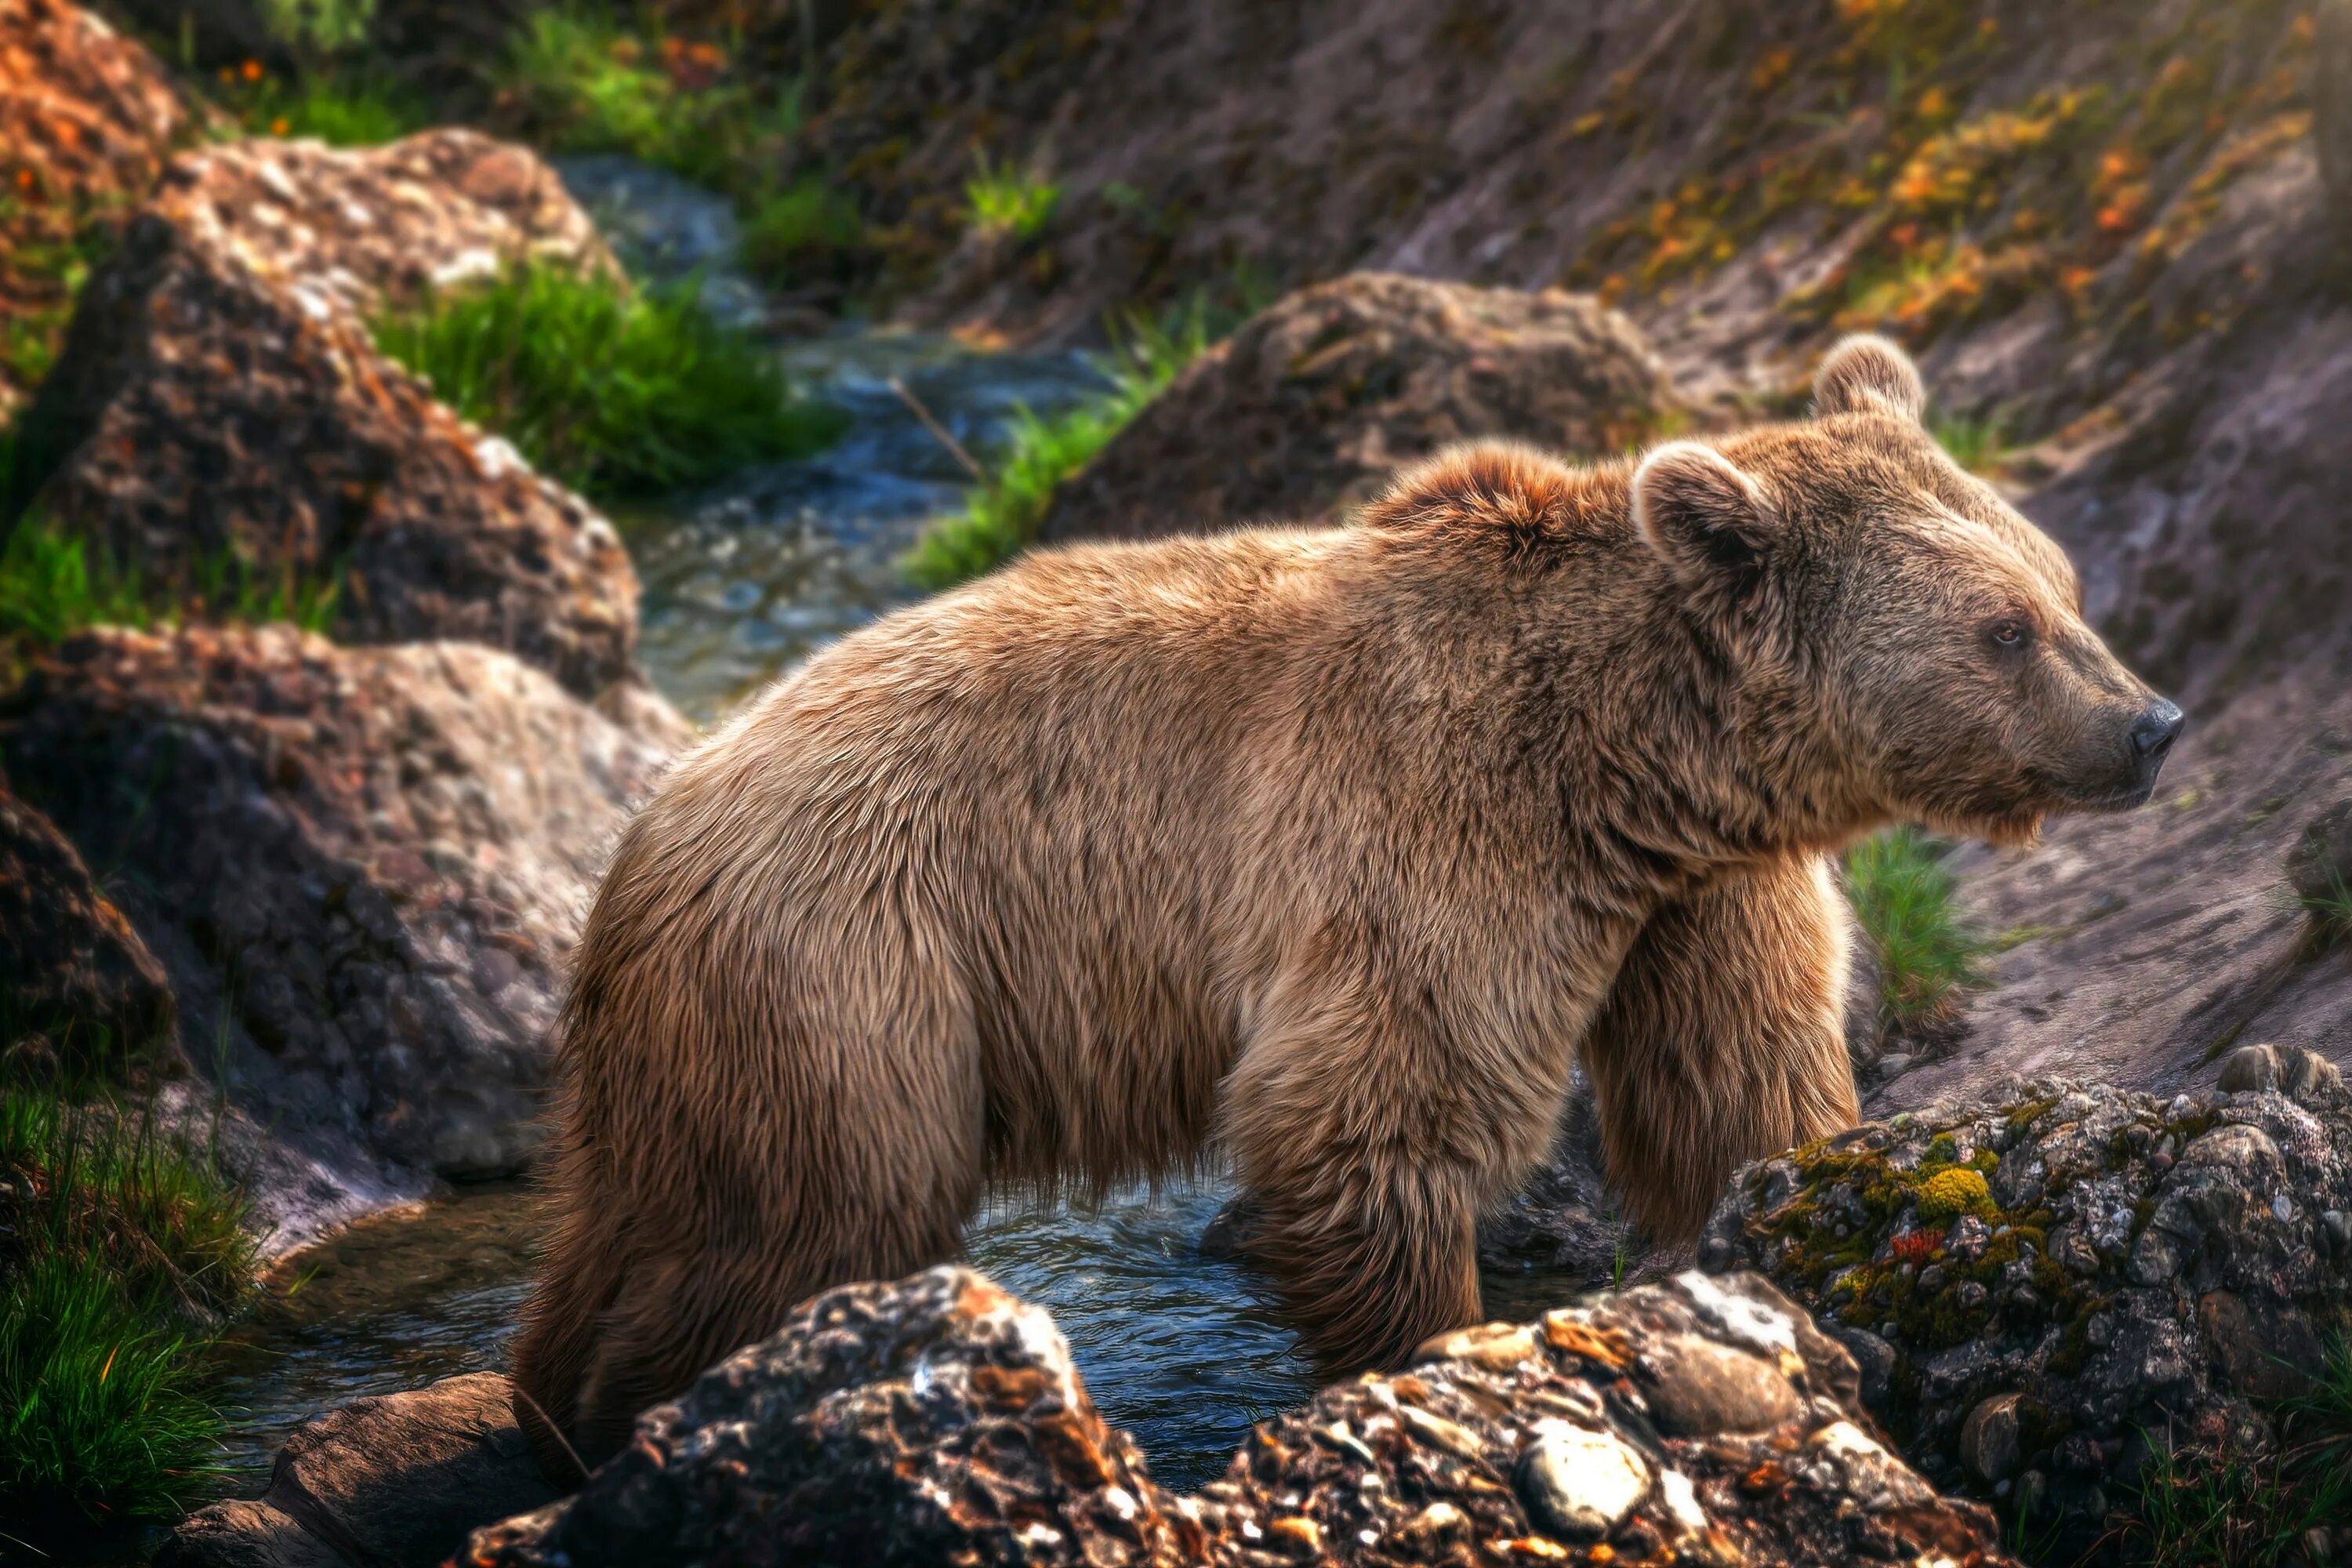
(1723, 1039)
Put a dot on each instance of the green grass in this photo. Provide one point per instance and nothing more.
(124, 1257)
(55, 582)
(2197, 1509)
(1004, 200)
(48, 276)
(1976, 442)
(806, 222)
(582, 81)
(1001, 517)
(342, 110)
(614, 392)
(1905, 901)
(2331, 913)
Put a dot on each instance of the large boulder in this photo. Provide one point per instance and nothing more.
(362, 867)
(1310, 406)
(939, 1420)
(87, 117)
(78, 990)
(393, 1481)
(2042, 1286)
(223, 424)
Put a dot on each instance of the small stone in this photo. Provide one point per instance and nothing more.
(1440, 1433)
(1989, 1437)
(2155, 1256)
(1971, 1295)
(1698, 1388)
(1498, 1347)
(1874, 1357)
(1435, 1529)
(1578, 1486)
(2249, 1068)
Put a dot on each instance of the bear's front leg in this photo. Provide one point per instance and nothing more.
(1368, 1140)
(1723, 1039)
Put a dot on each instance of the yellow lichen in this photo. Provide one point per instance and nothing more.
(1947, 1195)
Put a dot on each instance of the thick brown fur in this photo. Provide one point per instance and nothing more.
(1327, 850)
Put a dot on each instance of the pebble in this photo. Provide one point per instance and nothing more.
(1579, 1485)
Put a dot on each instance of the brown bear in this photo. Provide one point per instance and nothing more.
(1326, 850)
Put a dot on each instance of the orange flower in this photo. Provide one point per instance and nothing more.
(1933, 103)
(250, 71)
(278, 127)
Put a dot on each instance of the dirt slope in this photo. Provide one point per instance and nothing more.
(2104, 225)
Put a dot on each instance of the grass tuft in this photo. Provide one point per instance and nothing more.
(1001, 517)
(2331, 913)
(584, 82)
(342, 110)
(614, 392)
(1904, 899)
(55, 582)
(2198, 1509)
(806, 222)
(126, 1256)
(1005, 200)
(1976, 442)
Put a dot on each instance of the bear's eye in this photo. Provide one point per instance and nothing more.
(2010, 633)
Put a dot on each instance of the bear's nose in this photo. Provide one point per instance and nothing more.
(2153, 735)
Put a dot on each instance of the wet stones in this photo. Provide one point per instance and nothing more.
(2133, 1264)
(937, 1420)
(933, 1420)
(393, 1481)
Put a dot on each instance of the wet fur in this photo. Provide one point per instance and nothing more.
(1327, 850)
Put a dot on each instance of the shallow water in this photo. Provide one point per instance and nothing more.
(754, 575)
(1182, 1351)
(1177, 1348)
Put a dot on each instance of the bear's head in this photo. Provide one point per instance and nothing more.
(1915, 648)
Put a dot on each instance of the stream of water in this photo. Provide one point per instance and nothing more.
(740, 584)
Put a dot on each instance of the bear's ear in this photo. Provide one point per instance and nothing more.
(1711, 522)
(1868, 374)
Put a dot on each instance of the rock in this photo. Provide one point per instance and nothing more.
(1579, 1486)
(1989, 1437)
(2303, 1075)
(1699, 1388)
(361, 868)
(87, 117)
(934, 1420)
(1309, 407)
(221, 415)
(395, 1482)
(2320, 864)
(937, 1420)
(72, 972)
(1565, 1448)
(2139, 1264)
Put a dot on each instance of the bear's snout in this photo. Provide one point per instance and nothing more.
(2150, 741)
